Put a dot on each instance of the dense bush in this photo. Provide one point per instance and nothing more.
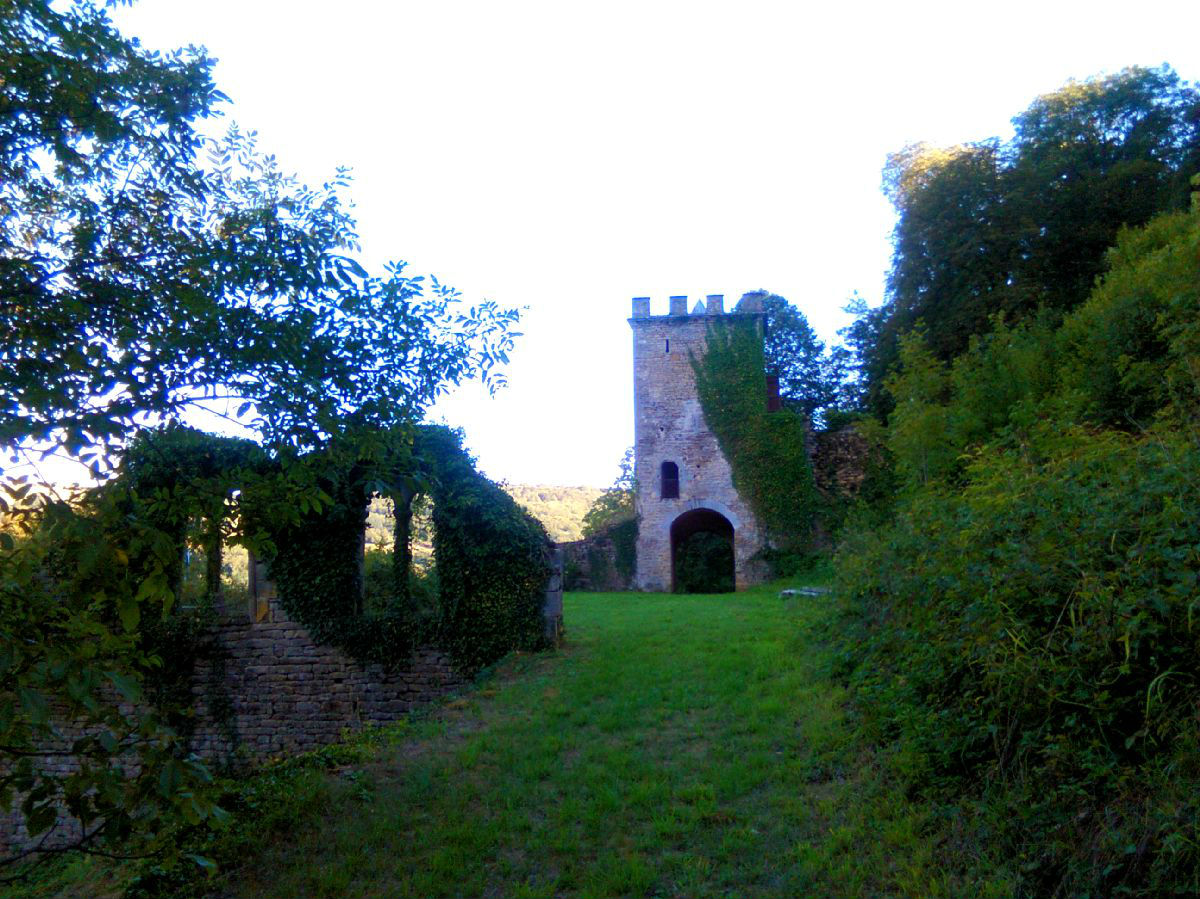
(1024, 631)
(492, 558)
(1134, 348)
(1034, 644)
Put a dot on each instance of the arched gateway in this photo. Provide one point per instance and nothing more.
(686, 484)
(702, 552)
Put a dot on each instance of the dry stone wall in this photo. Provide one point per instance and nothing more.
(282, 692)
(592, 564)
(266, 688)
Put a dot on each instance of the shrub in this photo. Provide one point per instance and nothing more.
(1033, 643)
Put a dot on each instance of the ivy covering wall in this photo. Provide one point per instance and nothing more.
(766, 450)
(492, 557)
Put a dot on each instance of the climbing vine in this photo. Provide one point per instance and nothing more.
(317, 566)
(766, 450)
(624, 537)
(181, 481)
(492, 557)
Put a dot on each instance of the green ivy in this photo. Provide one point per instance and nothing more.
(624, 537)
(766, 450)
(491, 557)
(317, 569)
(491, 560)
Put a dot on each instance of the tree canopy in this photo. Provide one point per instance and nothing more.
(145, 270)
(1016, 226)
(617, 503)
(810, 376)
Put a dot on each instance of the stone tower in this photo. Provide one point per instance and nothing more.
(685, 484)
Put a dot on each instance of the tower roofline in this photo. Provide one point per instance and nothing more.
(712, 306)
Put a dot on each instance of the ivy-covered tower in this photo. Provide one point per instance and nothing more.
(685, 484)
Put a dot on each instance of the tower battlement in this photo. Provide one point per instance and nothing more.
(712, 304)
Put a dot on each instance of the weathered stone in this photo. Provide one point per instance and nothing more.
(669, 426)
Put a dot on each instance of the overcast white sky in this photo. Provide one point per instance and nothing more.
(567, 156)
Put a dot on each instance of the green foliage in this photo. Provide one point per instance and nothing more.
(941, 412)
(1033, 642)
(1024, 630)
(919, 427)
(1134, 348)
(146, 271)
(624, 537)
(317, 566)
(766, 450)
(131, 248)
(810, 379)
(491, 558)
(76, 609)
(991, 229)
(561, 510)
(597, 563)
(615, 505)
(261, 805)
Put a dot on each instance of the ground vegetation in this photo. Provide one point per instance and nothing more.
(1019, 611)
(146, 270)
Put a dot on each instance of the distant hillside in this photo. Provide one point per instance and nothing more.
(560, 509)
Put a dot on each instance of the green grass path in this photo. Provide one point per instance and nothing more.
(676, 746)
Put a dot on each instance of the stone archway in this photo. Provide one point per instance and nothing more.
(702, 554)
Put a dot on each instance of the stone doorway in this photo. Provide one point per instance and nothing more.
(702, 558)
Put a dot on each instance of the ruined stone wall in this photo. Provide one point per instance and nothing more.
(593, 564)
(840, 459)
(266, 688)
(277, 691)
(669, 426)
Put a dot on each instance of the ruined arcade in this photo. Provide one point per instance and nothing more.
(685, 481)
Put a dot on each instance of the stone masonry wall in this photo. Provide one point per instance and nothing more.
(669, 426)
(591, 564)
(284, 693)
(267, 688)
(287, 693)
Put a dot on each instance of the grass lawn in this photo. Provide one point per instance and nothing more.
(676, 746)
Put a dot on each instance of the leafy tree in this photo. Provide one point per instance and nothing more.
(810, 377)
(145, 271)
(1008, 228)
(138, 282)
(616, 504)
(953, 242)
(867, 351)
(1023, 627)
(1132, 352)
(919, 428)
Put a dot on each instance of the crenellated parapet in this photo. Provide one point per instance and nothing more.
(713, 304)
